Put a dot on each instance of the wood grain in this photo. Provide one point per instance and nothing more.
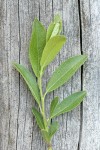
(90, 37)
(79, 129)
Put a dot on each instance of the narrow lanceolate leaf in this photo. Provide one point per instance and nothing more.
(65, 71)
(30, 80)
(69, 103)
(54, 27)
(53, 128)
(53, 105)
(51, 49)
(37, 43)
(39, 118)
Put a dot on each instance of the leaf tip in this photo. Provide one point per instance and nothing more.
(85, 57)
(57, 18)
(36, 20)
(84, 92)
(14, 64)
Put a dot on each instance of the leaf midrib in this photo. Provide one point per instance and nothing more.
(31, 89)
(37, 51)
(44, 64)
(66, 107)
(62, 77)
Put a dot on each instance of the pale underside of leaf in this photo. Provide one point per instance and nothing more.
(69, 103)
(54, 27)
(57, 19)
(30, 80)
(65, 71)
(56, 30)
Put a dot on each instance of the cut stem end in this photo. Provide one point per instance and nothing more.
(50, 147)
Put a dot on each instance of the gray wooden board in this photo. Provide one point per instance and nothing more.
(78, 129)
(90, 21)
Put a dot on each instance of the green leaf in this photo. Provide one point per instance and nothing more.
(53, 105)
(45, 135)
(65, 71)
(30, 80)
(51, 49)
(37, 44)
(53, 128)
(49, 31)
(69, 103)
(57, 19)
(38, 117)
(54, 27)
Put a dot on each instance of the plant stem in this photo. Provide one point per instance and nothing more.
(42, 101)
(42, 108)
(50, 147)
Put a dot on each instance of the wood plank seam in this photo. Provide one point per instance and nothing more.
(81, 105)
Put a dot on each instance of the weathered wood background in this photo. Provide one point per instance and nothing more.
(79, 129)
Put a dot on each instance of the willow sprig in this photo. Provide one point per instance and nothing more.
(43, 48)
